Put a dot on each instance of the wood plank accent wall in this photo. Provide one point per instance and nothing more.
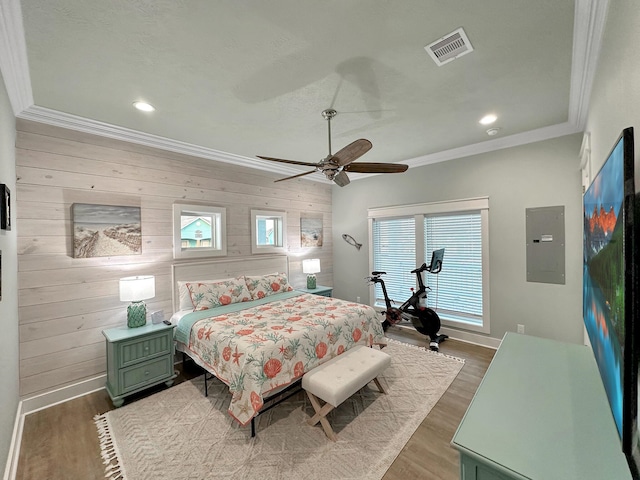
(65, 303)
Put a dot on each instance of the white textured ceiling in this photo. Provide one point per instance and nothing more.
(251, 77)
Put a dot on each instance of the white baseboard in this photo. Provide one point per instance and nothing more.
(63, 394)
(11, 468)
(40, 402)
(463, 336)
(469, 337)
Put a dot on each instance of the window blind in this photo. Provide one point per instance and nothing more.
(394, 252)
(457, 288)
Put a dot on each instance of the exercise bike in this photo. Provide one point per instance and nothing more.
(425, 320)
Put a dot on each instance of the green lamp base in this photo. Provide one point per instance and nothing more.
(311, 281)
(136, 314)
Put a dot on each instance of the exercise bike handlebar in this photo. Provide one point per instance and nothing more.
(420, 269)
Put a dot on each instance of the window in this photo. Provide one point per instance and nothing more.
(403, 238)
(394, 252)
(199, 231)
(268, 231)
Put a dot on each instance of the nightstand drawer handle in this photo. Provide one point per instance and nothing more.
(146, 373)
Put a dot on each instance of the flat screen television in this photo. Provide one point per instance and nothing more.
(610, 287)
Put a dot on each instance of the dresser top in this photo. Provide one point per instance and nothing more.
(541, 411)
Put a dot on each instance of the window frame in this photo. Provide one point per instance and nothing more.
(218, 216)
(280, 234)
(419, 212)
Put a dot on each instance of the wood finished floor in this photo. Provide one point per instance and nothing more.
(61, 443)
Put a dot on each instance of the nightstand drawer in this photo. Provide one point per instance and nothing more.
(140, 376)
(132, 351)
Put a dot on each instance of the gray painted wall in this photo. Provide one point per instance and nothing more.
(615, 98)
(535, 175)
(9, 303)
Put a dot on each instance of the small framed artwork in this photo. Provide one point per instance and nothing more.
(311, 231)
(5, 208)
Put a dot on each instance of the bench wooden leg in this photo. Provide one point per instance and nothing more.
(321, 412)
(379, 385)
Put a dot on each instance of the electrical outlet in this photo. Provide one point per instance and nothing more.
(357, 299)
(520, 328)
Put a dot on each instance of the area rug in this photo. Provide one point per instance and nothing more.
(181, 434)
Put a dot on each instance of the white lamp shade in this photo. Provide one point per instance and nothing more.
(311, 265)
(134, 289)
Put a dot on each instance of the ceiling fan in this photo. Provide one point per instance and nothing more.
(335, 166)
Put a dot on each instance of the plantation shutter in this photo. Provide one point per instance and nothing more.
(457, 289)
(394, 252)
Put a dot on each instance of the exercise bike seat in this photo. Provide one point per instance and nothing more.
(378, 273)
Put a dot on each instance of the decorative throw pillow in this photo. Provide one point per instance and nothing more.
(205, 295)
(185, 294)
(262, 286)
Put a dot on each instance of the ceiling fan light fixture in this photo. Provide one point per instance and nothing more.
(144, 106)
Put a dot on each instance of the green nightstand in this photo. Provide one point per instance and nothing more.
(138, 358)
(319, 290)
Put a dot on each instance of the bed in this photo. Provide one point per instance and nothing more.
(243, 322)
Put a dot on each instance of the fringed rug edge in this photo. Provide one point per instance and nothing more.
(424, 349)
(114, 469)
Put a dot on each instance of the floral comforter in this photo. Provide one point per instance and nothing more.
(266, 347)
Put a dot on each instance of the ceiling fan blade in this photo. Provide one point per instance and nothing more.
(295, 176)
(341, 179)
(351, 152)
(362, 167)
(293, 162)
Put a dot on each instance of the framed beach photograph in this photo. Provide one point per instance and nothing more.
(311, 231)
(5, 208)
(106, 230)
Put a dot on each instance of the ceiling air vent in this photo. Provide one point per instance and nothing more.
(449, 47)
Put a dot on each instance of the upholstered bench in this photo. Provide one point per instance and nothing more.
(341, 377)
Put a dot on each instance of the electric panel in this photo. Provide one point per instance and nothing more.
(545, 245)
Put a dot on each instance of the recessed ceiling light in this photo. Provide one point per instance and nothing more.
(488, 119)
(493, 131)
(143, 106)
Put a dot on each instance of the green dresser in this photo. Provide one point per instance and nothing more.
(138, 358)
(541, 412)
(319, 290)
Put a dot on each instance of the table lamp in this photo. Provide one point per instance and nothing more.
(135, 290)
(311, 266)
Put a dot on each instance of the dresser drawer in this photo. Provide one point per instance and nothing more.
(139, 376)
(132, 351)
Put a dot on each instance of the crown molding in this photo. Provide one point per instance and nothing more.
(588, 29)
(87, 125)
(14, 63)
(540, 134)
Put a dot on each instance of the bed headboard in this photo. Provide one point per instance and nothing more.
(225, 268)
